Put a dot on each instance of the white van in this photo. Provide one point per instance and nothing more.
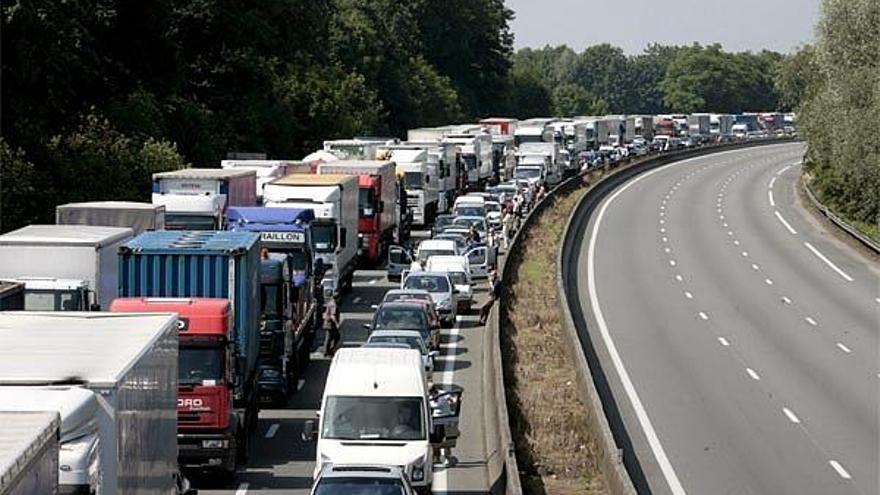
(376, 409)
(459, 272)
(432, 247)
(472, 206)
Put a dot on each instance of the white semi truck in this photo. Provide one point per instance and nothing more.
(421, 180)
(28, 453)
(475, 150)
(555, 168)
(64, 267)
(197, 198)
(129, 363)
(334, 199)
(139, 217)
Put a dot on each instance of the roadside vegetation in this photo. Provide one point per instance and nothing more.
(835, 86)
(554, 449)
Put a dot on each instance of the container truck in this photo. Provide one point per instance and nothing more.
(452, 180)
(699, 125)
(139, 217)
(721, 125)
(421, 180)
(266, 171)
(500, 125)
(63, 267)
(531, 132)
(290, 313)
(377, 195)
(29, 453)
(77, 464)
(11, 295)
(334, 200)
(549, 152)
(197, 198)
(644, 126)
(129, 362)
(217, 265)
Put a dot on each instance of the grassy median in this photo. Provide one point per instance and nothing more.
(554, 449)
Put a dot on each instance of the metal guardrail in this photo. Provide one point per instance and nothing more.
(840, 222)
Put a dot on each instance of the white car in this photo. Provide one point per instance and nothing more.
(407, 339)
(459, 272)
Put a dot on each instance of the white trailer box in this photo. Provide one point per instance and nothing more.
(81, 252)
(334, 199)
(139, 217)
(78, 460)
(129, 361)
(266, 171)
(197, 198)
(28, 453)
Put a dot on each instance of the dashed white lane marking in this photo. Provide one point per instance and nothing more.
(877, 299)
(840, 470)
(671, 262)
(772, 181)
(791, 416)
(745, 254)
(783, 169)
(662, 221)
(828, 262)
(786, 300)
(785, 223)
(736, 243)
(844, 348)
(768, 281)
(242, 488)
(356, 300)
(679, 278)
(770, 198)
(662, 230)
(811, 321)
(723, 342)
(703, 315)
(730, 233)
(373, 282)
(755, 267)
(752, 373)
(667, 250)
(724, 224)
(665, 239)
(273, 429)
(688, 295)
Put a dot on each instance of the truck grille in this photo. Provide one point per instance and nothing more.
(412, 201)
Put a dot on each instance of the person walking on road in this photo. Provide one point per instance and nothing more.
(331, 325)
(506, 227)
(494, 293)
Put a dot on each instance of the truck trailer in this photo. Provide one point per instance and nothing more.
(11, 295)
(63, 267)
(377, 195)
(28, 453)
(129, 362)
(140, 217)
(197, 198)
(266, 171)
(334, 200)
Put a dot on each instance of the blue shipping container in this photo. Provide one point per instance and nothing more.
(200, 264)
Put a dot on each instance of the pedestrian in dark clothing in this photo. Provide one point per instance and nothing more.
(331, 325)
(494, 293)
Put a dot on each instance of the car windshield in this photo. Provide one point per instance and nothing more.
(324, 237)
(430, 283)
(442, 221)
(406, 296)
(527, 173)
(397, 318)
(359, 486)
(197, 364)
(374, 418)
(411, 342)
(470, 211)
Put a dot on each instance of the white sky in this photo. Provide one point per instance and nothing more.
(739, 25)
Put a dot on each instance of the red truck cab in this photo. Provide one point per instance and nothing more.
(208, 433)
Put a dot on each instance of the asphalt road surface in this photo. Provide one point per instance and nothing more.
(281, 463)
(740, 337)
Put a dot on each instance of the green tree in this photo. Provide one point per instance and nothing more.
(796, 76)
(528, 94)
(571, 100)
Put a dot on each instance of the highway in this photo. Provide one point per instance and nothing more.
(738, 335)
(281, 463)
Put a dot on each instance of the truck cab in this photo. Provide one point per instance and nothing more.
(56, 294)
(209, 432)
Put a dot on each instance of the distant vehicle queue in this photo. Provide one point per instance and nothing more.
(224, 281)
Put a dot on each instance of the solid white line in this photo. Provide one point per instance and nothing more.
(811, 321)
(273, 429)
(703, 316)
(242, 488)
(844, 348)
(723, 341)
(770, 197)
(840, 471)
(666, 468)
(783, 169)
(753, 374)
(791, 416)
(785, 223)
(772, 181)
(688, 295)
(828, 262)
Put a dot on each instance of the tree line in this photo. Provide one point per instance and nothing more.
(835, 86)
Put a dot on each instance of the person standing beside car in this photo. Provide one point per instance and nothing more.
(331, 325)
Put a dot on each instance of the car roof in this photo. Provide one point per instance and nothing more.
(401, 305)
(361, 471)
(394, 333)
(407, 291)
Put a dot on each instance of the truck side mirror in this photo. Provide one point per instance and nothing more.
(342, 233)
(309, 434)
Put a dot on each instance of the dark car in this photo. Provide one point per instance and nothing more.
(272, 384)
(440, 222)
(402, 316)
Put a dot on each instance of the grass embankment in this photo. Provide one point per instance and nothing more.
(554, 449)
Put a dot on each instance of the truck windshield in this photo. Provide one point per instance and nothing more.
(367, 203)
(374, 418)
(413, 180)
(53, 301)
(324, 237)
(360, 485)
(189, 222)
(197, 364)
